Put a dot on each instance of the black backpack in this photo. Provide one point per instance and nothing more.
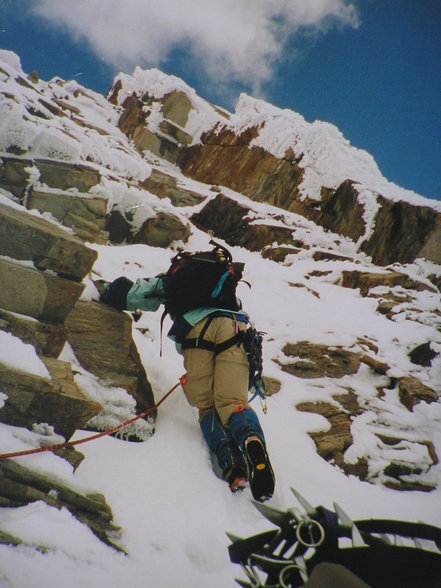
(202, 279)
(209, 279)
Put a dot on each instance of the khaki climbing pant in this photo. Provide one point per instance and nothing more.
(217, 381)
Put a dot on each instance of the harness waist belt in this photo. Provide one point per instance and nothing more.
(199, 343)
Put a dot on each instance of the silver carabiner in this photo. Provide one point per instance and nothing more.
(287, 570)
(308, 523)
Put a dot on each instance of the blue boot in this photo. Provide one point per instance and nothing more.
(246, 431)
(225, 450)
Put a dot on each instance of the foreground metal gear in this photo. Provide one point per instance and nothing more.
(382, 553)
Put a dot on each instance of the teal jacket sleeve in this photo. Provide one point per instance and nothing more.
(146, 294)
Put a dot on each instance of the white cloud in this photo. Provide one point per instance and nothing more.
(231, 40)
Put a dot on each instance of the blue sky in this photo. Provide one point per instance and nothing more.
(371, 67)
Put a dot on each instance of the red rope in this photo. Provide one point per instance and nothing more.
(181, 382)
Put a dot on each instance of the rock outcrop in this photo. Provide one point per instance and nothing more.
(41, 271)
(250, 170)
(164, 142)
(85, 215)
(34, 293)
(412, 392)
(401, 231)
(47, 338)
(231, 221)
(166, 186)
(101, 338)
(18, 174)
(306, 360)
(46, 245)
(41, 274)
(161, 231)
(316, 361)
(20, 486)
(366, 281)
(33, 399)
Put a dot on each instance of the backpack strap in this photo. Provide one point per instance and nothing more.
(199, 342)
(221, 282)
(163, 315)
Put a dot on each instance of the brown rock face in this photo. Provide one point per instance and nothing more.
(316, 361)
(226, 159)
(161, 230)
(48, 339)
(101, 338)
(342, 213)
(33, 399)
(412, 392)
(14, 175)
(401, 232)
(40, 295)
(228, 220)
(332, 443)
(165, 186)
(338, 438)
(133, 123)
(404, 232)
(367, 280)
(26, 237)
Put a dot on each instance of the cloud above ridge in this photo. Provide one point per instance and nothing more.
(230, 41)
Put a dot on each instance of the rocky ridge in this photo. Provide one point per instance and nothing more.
(154, 164)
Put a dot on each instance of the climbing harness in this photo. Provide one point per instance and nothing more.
(200, 343)
(250, 338)
(182, 381)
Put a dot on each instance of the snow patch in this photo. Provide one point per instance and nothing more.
(21, 356)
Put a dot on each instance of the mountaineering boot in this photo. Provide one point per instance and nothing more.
(260, 472)
(236, 479)
(247, 432)
(228, 463)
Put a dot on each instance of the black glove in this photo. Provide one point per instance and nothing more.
(115, 294)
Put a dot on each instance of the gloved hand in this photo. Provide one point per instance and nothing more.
(115, 293)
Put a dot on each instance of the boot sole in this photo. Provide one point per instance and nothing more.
(261, 475)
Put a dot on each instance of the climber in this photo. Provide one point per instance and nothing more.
(198, 291)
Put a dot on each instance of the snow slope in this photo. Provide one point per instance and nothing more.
(173, 512)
